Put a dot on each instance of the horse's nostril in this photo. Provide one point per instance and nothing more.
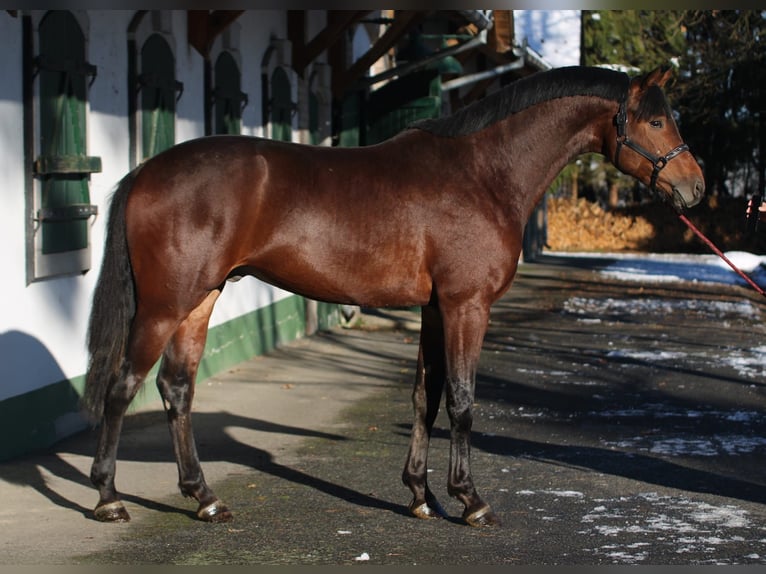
(699, 189)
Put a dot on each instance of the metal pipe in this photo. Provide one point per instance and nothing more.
(420, 64)
(481, 18)
(478, 76)
(525, 54)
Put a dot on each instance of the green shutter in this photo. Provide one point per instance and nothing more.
(400, 103)
(281, 106)
(62, 166)
(228, 97)
(158, 96)
(313, 118)
(351, 119)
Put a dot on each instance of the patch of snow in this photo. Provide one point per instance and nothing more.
(647, 355)
(669, 267)
(654, 305)
(748, 363)
(717, 445)
(663, 411)
(565, 493)
(684, 525)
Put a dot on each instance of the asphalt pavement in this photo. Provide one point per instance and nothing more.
(615, 423)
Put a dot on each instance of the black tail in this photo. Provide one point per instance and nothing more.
(114, 305)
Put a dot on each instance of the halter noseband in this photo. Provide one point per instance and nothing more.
(658, 162)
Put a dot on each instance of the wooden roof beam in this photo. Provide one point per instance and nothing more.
(338, 21)
(204, 26)
(500, 37)
(403, 22)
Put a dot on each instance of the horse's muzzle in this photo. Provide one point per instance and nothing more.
(688, 194)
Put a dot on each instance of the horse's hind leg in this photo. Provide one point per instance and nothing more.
(175, 382)
(426, 395)
(148, 338)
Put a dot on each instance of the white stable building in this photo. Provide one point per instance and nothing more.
(87, 95)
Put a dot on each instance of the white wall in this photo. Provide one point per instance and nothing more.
(14, 304)
(43, 325)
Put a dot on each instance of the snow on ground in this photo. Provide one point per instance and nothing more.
(669, 267)
(636, 528)
(630, 529)
(665, 268)
(684, 524)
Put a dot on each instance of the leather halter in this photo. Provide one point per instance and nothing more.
(658, 162)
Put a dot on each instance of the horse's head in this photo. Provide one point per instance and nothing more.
(649, 147)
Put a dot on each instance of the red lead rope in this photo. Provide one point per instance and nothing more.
(720, 254)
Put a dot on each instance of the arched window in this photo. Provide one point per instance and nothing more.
(280, 91)
(314, 137)
(319, 122)
(281, 106)
(228, 99)
(159, 89)
(60, 193)
(154, 89)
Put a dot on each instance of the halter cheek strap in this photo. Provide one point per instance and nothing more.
(658, 162)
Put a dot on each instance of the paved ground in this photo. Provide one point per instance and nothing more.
(615, 424)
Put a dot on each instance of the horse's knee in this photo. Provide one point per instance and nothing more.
(414, 475)
(461, 416)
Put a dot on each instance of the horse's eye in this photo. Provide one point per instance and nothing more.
(656, 124)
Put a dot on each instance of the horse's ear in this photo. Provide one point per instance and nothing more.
(657, 77)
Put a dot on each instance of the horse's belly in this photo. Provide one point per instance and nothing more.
(371, 285)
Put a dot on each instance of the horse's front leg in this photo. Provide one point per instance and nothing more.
(175, 382)
(464, 327)
(426, 396)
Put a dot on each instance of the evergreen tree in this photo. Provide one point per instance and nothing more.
(637, 40)
(721, 98)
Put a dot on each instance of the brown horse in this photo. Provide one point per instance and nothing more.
(432, 217)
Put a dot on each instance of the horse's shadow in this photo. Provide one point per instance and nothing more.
(643, 468)
(145, 439)
(635, 466)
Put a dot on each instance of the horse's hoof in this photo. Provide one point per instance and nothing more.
(111, 512)
(424, 511)
(427, 510)
(215, 512)
(482, 517)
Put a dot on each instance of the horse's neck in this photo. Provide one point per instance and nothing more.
(536, 144)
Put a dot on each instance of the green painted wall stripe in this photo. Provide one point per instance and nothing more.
(252, 334)
(40, 418)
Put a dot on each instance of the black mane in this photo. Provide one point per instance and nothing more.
(527, 92)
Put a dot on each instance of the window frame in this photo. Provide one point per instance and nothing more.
(278, 56)
(227, 94)
(144, 25)
(40, 170)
